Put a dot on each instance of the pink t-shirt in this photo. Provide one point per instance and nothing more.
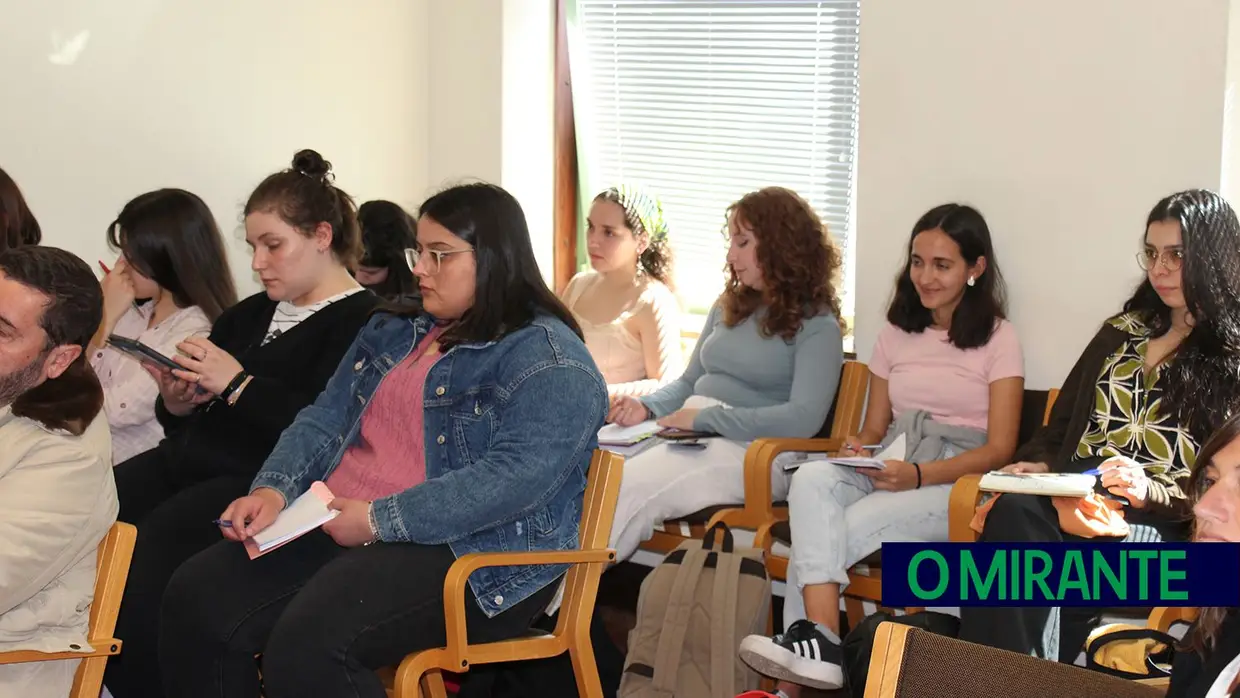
(925, 372)
(390, 454)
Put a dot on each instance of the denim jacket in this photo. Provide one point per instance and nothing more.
(510, 427)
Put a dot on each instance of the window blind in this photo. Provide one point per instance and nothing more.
(702, 101)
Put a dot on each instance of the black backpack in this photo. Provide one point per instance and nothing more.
(859, 643)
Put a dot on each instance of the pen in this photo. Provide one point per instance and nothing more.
(104, 267)
(222, 522)
(1098, 471)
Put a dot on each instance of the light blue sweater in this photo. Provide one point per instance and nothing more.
(774, 387)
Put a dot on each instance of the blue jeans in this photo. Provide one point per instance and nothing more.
(838, 519)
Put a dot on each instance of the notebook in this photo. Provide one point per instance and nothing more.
(306, 513)
(895, 451)
(616, 435)
(1046, 484)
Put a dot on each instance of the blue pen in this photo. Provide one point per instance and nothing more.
(1098, 471)
(222, 522)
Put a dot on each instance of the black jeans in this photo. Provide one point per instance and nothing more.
(324, 618)
(173, 509)
(1057, 634)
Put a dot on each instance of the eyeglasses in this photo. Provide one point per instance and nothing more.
(1171, 260)
(434, 258)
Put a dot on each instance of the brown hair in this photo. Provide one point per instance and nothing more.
(304, 196)
(1202, 637)
(18, 226)
(800, 264)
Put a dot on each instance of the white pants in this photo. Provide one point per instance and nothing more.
(838, 519)
(667, 481)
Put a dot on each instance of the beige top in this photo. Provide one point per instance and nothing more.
(57, 502)
(639, 349)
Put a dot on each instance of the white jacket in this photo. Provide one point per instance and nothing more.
(57, 502)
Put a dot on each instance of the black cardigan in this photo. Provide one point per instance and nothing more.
(288, 373)
(1055, 444)
(1192, 675)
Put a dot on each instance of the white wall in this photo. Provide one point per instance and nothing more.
(492, 65)
(1063, 121)
(210, 97)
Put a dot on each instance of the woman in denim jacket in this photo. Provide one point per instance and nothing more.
(465, 426)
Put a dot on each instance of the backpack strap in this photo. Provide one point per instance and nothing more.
(1153, 670)
(723, 642)
(676, 620)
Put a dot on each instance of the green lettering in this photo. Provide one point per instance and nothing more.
(916, 587)
(970, 577)
(1072, 576)
(1168, 575)
(1143, 558)
(1038, 577)
(1015, 577)
(1102, 568)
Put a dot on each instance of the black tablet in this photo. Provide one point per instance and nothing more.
(142, 352)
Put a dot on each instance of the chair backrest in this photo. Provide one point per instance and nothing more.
(844, 418)
(597, 513)
(115, 552)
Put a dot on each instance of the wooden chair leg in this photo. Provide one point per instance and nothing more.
(585, 669)
(432, 685)
(854, 609)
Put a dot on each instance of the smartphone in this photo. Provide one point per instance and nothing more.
(142, 352)
(672, 434)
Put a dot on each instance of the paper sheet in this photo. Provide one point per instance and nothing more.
(306, 513)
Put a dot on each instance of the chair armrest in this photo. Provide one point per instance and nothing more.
(965, 497)
(457, 581)
(758, 461)
(103, 648)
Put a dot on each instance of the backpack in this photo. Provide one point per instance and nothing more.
(1130, 652)
(693, 610)
(858, 645)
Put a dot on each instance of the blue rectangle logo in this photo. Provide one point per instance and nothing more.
(1103, 574)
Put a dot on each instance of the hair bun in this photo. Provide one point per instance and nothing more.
(311, 164)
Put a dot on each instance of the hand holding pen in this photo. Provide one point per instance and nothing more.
(854, 447)
(1124, 477)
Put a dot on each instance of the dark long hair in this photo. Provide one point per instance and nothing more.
(18, 226)
(387, 230)
(983, 303)
(170, 237)
(304, 196)
(1205, 632)
(1203, 382)
(510, 290)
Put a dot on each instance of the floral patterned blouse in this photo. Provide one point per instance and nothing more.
(1128, 419)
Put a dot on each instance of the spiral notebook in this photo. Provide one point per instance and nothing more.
(1045, 484)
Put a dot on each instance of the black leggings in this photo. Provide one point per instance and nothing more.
(173, 509)
(323, 617)
(1057, 634)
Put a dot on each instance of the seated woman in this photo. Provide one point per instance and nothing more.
(464, 427)
(626, 308)
(1208, 663)
(17, 224)
(1153, 384)
(387, 231)
(267, 357)
(947, 374)
(172, 257)
(766, 365)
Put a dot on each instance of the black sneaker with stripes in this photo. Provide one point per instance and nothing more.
(801, 655)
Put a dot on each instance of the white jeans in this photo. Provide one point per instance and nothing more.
(667, 481)
(838, 519)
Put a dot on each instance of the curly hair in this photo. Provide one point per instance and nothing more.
(800, 264)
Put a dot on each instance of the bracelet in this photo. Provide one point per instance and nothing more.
(236, 395)
(918, 467)
(233, 384)
(374, 526)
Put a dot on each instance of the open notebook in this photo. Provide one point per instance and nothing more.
(616, 435)
(895, 451)
(306, 513)
(1046, 484)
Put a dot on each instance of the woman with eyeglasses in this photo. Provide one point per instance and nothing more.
(464, 425)
(1156, 381)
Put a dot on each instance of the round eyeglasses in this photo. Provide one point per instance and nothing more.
(434, 258)
(1171, 260)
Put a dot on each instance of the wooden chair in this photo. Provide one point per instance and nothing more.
(115, 552)
(865, 578)
(758, 509)
(572, 630)
(912, 663)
